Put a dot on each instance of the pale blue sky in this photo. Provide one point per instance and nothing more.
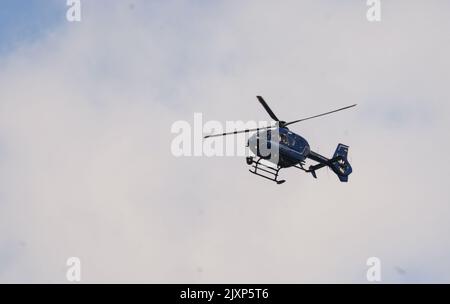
(27, 20)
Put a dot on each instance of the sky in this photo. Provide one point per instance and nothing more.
(23, 22)
(86, 168)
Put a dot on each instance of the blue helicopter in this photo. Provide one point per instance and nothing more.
(288, 149)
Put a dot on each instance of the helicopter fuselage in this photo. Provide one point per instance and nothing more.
(287, 148)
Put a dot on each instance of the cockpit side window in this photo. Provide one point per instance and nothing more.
(292, 142)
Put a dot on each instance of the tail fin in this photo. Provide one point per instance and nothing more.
(339, 163)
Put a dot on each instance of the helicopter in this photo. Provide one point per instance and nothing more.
(288, 149)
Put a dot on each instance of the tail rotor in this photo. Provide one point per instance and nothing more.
(339, 163)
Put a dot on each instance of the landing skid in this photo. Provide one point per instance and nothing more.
(271, 172)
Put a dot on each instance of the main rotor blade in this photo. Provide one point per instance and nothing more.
(237, 132)
(264, 104)
(315, 116)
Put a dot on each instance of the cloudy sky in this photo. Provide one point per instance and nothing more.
(86, 168)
